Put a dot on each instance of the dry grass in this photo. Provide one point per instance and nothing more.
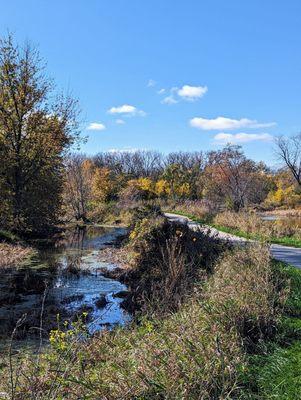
(245, 281)
(196, 353)
(199, 209)
(253, 225)
(167, 260)
(285, 213)
(13, 254)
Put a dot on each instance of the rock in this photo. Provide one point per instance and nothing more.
(101, 302)
(71, 299)
(121, 295)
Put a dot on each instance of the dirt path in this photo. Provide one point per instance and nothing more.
(291, 255)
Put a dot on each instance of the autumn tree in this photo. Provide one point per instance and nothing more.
(78, 180)
(284, 190)
(179, 181)
(36, 129)
(235, 180)
(105, 185)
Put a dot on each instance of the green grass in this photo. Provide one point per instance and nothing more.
(284, 241)
(8, 237)
(276, 374)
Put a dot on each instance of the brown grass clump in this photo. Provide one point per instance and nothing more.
(199, 209)
(13, 254)
(167, 260)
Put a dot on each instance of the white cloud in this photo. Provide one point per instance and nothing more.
(192, 93)
(151, 83)
(126, 109)
(169, 100)
(120, 121)
(125, 150)
(226, 123)
(186, 92)
(96, 126)
(236, 138)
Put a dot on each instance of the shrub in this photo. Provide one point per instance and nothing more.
(167, 259)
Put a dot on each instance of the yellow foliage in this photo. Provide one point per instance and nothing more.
(145, 184)
(284, 195)
(183, 189)
(102, 185)
(162, 188)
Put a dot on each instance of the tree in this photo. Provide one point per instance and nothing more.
(232, 178)
(36, 129)
(289, 151)
(105, 185)
(140, 163)
(77, 193)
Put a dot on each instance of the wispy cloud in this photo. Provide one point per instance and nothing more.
(126, 110)
(227, 123)
(96, 126)
(151, 83)
(169, 100)
(120, 121)
(236, 138)
(125, 150)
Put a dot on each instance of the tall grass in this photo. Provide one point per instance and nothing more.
(197, 352)
(252, 226)
(275, 373)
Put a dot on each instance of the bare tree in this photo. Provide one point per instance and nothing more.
(140, 163)
(289, 151)
(78, 185)
(187, 160)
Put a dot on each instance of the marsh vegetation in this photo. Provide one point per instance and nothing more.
(144, 308)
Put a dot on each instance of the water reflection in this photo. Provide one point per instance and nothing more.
(66, 279)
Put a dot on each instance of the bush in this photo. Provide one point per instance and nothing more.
(167, 260)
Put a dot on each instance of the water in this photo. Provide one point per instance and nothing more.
(67, 280)
(269, 217)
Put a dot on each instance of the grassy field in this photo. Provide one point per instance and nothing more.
(285, 241)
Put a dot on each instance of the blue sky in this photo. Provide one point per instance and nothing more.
(238, 60)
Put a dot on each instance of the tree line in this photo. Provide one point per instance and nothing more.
(41, 181)
(225, 178)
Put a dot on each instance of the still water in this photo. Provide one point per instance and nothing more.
(60, 283)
